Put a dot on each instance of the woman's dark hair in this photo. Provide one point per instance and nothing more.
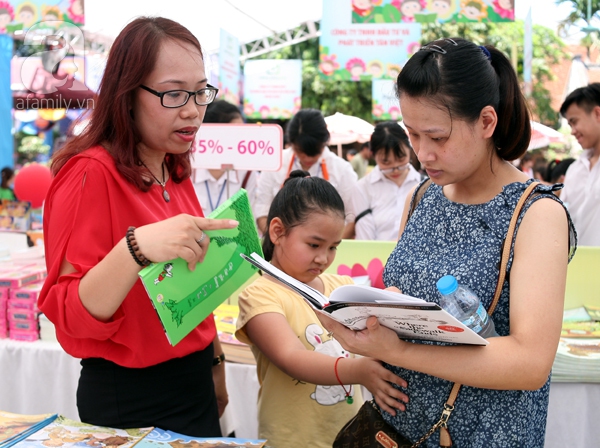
(308, 130)
(132, 57)
(463, 78)
(557, 168)
(300, 197)
(7, 174)
(390, 137)
(221, 111)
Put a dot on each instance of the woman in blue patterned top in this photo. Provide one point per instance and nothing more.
(467, 119)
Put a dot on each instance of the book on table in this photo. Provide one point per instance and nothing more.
(66, 433)
(16, 427)
(351, 305)
(184, 298)
(159, 438)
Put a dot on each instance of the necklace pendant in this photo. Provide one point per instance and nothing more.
(349, 399)
(166, 196)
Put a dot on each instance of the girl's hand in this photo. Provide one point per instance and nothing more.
(181, 236)
(375, 341)
(378, 380)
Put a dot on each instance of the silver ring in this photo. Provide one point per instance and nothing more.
(202, 238)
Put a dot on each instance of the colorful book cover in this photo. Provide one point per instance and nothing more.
(184, 298)
(15, 427)
(590, 329)
(67, 433)
(159, 438)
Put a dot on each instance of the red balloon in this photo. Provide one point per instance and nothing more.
(32, 183)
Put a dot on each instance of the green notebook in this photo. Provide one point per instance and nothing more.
(182, 298)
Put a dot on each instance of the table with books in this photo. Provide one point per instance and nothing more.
(39, 377)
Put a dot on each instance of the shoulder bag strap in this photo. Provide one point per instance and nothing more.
(445, 440)
(420, 191)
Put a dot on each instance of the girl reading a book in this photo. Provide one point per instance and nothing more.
(122, 196)
(308, 382)
(467, 120)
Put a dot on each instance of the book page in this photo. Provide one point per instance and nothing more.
(368, 294)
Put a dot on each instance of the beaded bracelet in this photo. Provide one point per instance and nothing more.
(134, 249)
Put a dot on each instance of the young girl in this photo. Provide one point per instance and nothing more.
(299, 365)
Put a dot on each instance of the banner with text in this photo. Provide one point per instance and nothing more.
(385, 101)
(355, 52)
(272, 88)
(430, 11)
(21, 15)
(238, 146)
(229, 68)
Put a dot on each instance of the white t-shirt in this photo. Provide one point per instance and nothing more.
(581, 195)
(213, 192)
(341, 176)
(386, 200)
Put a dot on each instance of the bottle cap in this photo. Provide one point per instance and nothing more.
(447, 284)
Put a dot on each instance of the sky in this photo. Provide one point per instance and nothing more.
(256, 19)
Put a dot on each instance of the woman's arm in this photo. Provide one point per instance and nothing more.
(162, 241)
(273, 336)
(521, 360)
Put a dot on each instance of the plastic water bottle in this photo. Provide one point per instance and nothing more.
(463, 303)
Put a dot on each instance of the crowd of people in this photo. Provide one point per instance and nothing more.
(124, 193)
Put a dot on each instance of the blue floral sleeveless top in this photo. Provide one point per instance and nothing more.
(443, 237)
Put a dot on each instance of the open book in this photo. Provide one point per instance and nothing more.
(351, 305)
(184, 298)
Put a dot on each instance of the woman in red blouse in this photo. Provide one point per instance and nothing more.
(130, 168)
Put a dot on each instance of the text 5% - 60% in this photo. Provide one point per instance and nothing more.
(243, 147)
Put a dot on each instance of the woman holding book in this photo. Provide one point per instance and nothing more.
(122, 196)
(467, 119)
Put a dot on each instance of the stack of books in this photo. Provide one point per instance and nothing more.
(20, 283)
(578, 355)
(235, 351)
(577, 361)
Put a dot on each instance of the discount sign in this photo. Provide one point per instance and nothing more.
(238, 146)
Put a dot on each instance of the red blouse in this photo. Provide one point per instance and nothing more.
(88, 209)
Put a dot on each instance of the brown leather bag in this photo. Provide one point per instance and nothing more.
(368, 429)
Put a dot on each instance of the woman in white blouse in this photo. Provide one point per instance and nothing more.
(378, 200)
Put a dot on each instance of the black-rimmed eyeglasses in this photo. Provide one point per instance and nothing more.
(179, 98)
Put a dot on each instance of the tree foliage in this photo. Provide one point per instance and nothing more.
(354, 97)
(579, 14)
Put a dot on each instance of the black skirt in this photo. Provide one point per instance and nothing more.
(177, 395)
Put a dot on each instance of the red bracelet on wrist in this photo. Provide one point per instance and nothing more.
(349, 398)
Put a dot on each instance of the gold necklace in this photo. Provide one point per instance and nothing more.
(165, 193)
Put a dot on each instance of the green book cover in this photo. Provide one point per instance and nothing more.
(184, 298)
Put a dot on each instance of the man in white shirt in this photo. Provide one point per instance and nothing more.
(308, 135)
(582, 181)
